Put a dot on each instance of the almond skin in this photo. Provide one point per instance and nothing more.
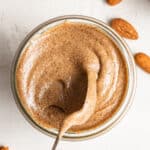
(113, 2)
(124, 28)
(143, 61)
(4, 148)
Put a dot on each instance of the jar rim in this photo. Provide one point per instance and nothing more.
(124, 49)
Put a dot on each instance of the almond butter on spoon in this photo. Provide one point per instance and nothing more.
(81, 116)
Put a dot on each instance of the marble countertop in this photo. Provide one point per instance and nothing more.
(17, 18)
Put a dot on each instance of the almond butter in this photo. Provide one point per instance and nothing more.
(143, 61)
(4, 148)
(124, 28)
(113, 2)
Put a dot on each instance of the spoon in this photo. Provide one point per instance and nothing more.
(79, 117)
(57, 138)
(56, 142)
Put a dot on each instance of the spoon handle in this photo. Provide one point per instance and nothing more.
(56, 142)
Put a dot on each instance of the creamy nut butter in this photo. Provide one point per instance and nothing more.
(52, 79)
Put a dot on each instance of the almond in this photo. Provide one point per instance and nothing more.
(113, 2)
(143, 61)
(124, 28)
(3, 148)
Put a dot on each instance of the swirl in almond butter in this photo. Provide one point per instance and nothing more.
(51, 79)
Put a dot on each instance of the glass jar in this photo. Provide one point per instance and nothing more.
(130, 70)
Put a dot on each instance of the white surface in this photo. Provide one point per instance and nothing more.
(17, 18)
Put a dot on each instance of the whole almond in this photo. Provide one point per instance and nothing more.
(124, 28)
(113, 2)
(3, 148)
(143, 61)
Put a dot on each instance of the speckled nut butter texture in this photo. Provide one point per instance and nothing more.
(50, 72)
